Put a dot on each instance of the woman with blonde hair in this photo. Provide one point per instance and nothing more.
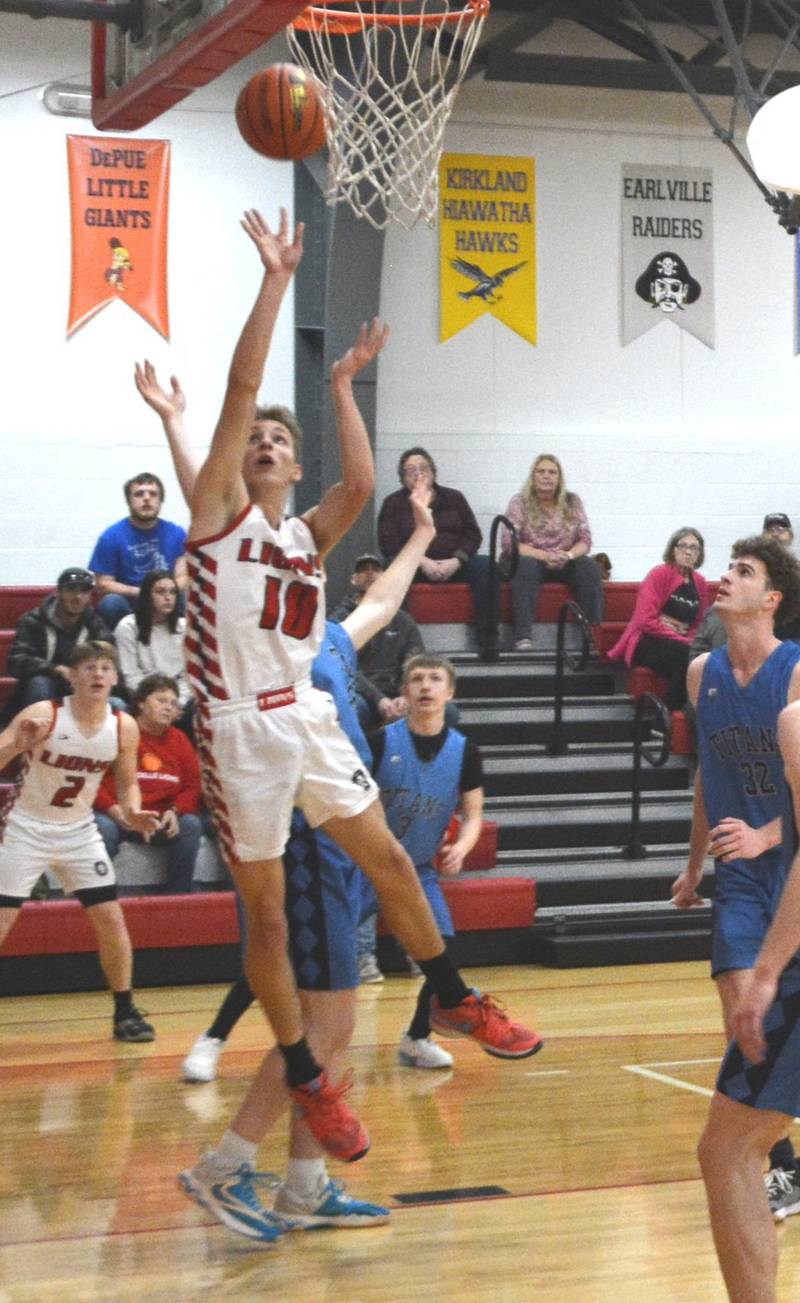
(554, 543)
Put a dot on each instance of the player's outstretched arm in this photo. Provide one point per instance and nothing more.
(220, 491)
(452, 856)
(383, 599)
(129, 795)
(171, 408)
(26, 730)
(783, 938)
(343, 503)
(684, 888)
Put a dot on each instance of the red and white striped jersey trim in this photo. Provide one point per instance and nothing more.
(200, 640)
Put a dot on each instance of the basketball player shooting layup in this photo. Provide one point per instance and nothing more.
(66, 751)
(267, 739)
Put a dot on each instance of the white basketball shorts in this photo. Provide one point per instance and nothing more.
(264, 755)
(75, 853)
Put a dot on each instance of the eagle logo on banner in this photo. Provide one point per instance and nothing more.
(487, 237)
(487, 285)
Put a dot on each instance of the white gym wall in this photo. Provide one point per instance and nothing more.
(662, 433)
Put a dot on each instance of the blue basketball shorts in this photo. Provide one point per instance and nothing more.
(745, 902)
(323, 909)
(775, 1083)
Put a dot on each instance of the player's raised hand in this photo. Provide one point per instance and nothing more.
(29, 732)
(684, 891)
(167, 405)
(146, 822)
(369, 342)
(277, 252)
(420, 498)
(748, 1020)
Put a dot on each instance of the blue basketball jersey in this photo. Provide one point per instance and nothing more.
(419, 796)
(740, 762)
(334, 671)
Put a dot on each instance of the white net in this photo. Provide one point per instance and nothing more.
(392, 69)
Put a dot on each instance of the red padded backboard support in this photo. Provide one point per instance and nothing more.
(223, 40)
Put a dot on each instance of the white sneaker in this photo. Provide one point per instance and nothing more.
(200, 1063)
(330, 1206)
(423, 1053)
(368, 970)
(523, 644)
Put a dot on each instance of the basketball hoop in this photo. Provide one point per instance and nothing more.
(393, 69)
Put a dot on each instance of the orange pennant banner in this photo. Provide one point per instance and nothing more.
(119, 206)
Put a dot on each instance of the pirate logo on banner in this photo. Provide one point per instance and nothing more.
(668, 284)
(667, 250)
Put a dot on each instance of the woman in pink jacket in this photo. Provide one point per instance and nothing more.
(672, 600)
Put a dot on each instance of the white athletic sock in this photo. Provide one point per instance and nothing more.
(305, 1177)
(230, 1153)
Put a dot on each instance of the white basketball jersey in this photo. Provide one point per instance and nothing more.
(64, 771)
(256, 608)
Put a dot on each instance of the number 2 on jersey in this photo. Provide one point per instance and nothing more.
(65, 796)
(300, 603)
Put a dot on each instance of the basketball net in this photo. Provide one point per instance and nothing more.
(392, 77)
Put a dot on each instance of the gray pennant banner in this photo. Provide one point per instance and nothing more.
(667, 250)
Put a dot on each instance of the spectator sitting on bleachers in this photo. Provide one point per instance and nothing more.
(45, 638)
(129, 549)
(168, 773)
(151, 640)
(453, 555)
(671, 602)
(554, 542)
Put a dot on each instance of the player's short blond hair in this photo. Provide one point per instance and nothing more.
(94, 650)
(427, 661)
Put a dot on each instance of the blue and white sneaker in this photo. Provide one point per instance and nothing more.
(233, 1200)
(330, 1206)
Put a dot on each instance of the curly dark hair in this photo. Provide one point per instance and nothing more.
(782, 567)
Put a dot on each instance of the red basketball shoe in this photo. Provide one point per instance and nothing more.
(482, 1018)
(328, 1118)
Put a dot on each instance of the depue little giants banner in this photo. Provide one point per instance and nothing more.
(119, 207)
(667, 250)
(487, 242)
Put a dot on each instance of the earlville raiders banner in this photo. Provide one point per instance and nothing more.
(487, 242)
(119, 204)
(667, 250)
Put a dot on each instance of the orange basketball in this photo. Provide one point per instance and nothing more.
(279, 112)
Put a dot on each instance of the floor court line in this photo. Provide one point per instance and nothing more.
(666, 1080)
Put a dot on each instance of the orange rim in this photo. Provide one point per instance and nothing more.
(340, 22)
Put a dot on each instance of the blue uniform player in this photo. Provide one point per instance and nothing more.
(743, 699)
(426, 771)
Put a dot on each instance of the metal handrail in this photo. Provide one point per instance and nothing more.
(557, 746)
(500, 568)
(650, 710)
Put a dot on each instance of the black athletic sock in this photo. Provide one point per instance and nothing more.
(301, 1066)
(236, 1002)
(420, 1025)
(783, 1155)
(123, 1005)
(448, 984)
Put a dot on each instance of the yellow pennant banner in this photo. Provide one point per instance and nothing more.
(487, 242)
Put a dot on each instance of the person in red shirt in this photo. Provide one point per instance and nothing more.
(169, 777)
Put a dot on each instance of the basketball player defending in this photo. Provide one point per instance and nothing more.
(267, 739)
(65, 751)
(743, 809)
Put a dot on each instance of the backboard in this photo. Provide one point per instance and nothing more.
(184, 44)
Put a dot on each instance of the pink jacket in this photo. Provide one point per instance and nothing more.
(654, 592)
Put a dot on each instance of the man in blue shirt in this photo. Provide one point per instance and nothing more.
(128, 550)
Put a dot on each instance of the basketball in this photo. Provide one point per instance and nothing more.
(279, 112)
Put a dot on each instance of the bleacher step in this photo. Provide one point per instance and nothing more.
(604, 938)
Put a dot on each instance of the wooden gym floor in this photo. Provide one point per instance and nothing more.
(591, 1143)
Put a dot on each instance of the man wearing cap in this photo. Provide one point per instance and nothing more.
(777, 525)
(380, 661)
(45, 638)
